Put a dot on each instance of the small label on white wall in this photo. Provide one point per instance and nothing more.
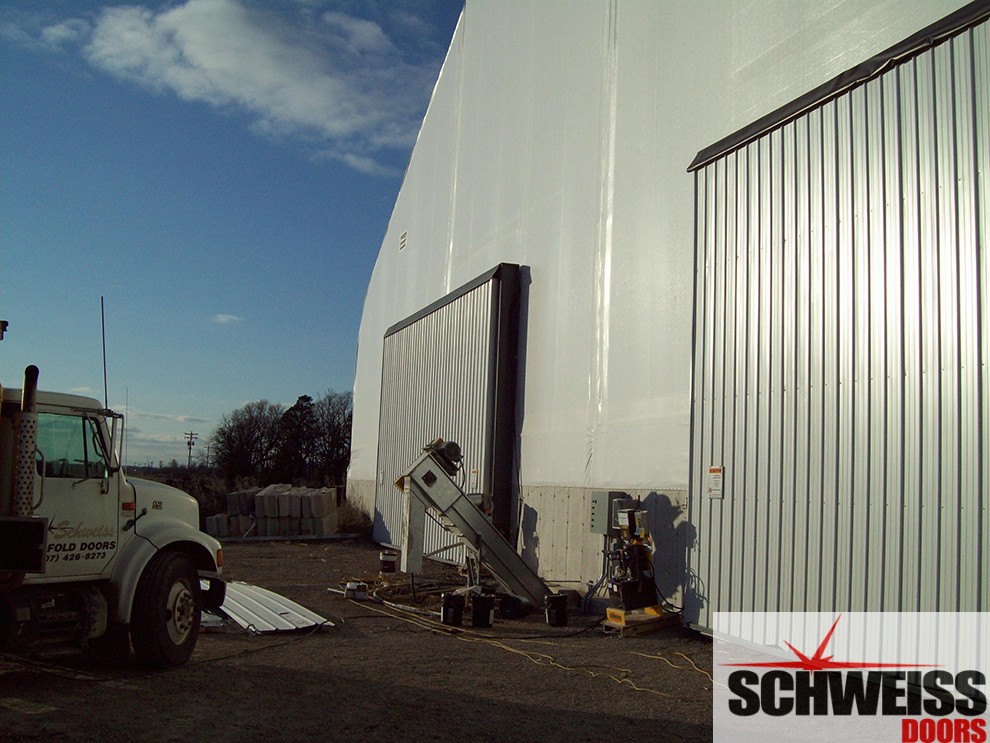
(715, 475)
(474, 481)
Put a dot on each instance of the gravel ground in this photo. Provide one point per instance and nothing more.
(378, 675)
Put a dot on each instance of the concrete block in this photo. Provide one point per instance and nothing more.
(324, 525)
(295, 505)
(324, 502)
(270, 497)
(315, 504)
(241, 502)
(246, 498)
(306, 505)
(284, 507)
(243, 525)
(266, 504)
(271, 526)
(218, 525)
(306, 526)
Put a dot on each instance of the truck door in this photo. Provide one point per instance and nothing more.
(71, 482)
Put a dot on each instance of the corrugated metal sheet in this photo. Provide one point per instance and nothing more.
(841, 345)
(260, 610)
(438, 381)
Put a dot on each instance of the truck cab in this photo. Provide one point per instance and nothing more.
(86, 553)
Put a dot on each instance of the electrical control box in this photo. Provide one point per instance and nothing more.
(599, 512)
(605, 507)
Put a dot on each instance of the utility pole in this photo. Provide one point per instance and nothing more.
(190, 440)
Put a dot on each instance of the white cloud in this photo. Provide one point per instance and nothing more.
(168, 417)
(357, 34)
(333, 79)
(222, 319)
(411, 23)
(71, 31)
(362, 163)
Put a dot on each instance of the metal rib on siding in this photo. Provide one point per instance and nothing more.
(443, 375)
(842, 334)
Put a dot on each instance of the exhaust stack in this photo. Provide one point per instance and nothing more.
(27, 442)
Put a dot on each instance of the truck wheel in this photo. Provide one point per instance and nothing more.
(166, 614)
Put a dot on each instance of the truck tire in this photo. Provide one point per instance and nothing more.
(166, 614)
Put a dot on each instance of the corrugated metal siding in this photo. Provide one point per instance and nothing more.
(437, 381)
(841, 341)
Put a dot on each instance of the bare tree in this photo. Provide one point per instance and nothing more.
(309, 443)
(244, 442)
(297, 435)
(333, 413)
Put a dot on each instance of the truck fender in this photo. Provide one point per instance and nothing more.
(135, 555)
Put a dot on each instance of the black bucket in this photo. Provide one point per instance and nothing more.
(557, 610)
(452, 609)
(482, 610)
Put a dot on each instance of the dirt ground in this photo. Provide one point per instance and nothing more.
(375, 676)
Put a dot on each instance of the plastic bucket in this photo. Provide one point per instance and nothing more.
(387, 561)
(452, 609)
(557, 610)
(482, 610)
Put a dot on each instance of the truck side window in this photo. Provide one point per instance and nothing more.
(70, 446)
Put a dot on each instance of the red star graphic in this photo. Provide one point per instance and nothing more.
(820, 662)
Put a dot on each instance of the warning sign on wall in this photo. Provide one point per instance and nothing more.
(715, 475)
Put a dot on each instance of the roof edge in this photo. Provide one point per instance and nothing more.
(451, 296)
(952, 25)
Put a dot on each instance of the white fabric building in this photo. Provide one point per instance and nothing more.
(559, 293)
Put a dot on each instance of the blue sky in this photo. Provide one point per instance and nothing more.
(222, 173)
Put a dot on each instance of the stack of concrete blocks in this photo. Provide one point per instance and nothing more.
(240, 509)
(266, 510)
(318, 512)
(217, 526)
(238, 520)
(277, 511)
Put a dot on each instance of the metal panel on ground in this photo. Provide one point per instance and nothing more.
(840, 351)
(260, 610)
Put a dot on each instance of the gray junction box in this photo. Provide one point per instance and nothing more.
(605, 507)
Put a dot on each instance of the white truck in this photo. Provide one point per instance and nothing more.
(88, 555)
